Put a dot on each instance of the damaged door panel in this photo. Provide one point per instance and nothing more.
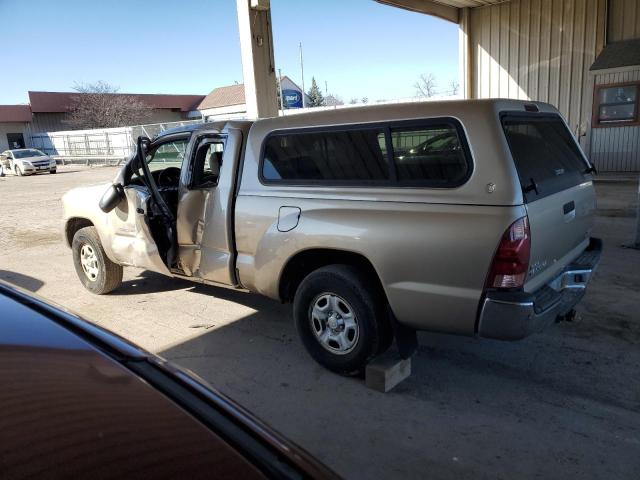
(132, 242)
(190, 228)
(205, 218)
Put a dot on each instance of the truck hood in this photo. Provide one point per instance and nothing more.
(84, 197)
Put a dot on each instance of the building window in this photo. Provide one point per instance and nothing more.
(616, 105)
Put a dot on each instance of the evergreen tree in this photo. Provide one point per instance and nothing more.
(315, 95)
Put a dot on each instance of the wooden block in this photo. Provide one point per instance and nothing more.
(386, 371)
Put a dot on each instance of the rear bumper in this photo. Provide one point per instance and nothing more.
(515, 315)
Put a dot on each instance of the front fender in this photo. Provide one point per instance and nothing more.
(82, 203)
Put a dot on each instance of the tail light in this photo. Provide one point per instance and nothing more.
(511, 261)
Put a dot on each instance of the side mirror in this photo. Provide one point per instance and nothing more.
(111, 198)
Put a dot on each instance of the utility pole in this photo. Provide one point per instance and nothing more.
(326, 88)
(304, 102)
(280, 86)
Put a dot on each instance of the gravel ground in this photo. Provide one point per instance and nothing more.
(561, 404)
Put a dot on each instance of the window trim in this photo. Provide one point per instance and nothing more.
(595, 120)
(385, 127)
(215, 138)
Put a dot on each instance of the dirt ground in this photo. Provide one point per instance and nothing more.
(561, 404)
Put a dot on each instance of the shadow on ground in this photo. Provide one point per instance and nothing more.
(555, 405)
(21, 280)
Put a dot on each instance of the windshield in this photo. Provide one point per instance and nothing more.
(31, 152)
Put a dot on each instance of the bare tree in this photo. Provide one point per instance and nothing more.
(332, 100)
(365, 100)
(99, 105)
(353, 101)
(454, 88)
(426, 85)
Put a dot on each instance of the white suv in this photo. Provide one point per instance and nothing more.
(25, 161)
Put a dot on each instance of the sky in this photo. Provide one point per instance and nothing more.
(360, 48)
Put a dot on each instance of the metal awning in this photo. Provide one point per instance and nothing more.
(445, 9)
(618, 55)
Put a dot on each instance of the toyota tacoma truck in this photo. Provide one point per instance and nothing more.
(464, 217)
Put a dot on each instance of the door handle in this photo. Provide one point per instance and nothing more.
(567, 207)
(569, 211)
(140, 211)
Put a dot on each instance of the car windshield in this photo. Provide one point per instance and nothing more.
(32, 152)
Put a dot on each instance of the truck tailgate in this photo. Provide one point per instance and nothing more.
(558, 191)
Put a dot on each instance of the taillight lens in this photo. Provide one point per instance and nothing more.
(511, 261)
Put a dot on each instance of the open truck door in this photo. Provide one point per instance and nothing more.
(142, 203)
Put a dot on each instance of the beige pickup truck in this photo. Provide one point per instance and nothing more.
(464, 217)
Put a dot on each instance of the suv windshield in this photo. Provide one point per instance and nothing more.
(27, 153)
(545, 154)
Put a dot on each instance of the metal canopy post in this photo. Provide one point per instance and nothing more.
(256, 47)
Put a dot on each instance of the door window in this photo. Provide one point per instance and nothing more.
(168, 154)
(207, 164)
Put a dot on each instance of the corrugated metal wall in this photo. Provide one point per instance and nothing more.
(618, 148)
(624, 20)
(539, 50)
(542, 50)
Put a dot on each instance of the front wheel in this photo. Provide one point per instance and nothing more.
(97, 273)
(16, 170)
(341, 318)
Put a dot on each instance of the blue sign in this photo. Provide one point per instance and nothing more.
(292, 98)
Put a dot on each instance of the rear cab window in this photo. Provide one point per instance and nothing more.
(429, 153)
(545, 154)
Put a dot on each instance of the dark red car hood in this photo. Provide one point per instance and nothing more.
(72, 406)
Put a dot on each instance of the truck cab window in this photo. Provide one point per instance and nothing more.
(207, 163)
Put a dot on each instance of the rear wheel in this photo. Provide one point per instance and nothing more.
(97, 273)
(341, 318)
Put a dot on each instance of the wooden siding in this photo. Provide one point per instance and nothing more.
(624, 20)
(539, 50)
(616, 148)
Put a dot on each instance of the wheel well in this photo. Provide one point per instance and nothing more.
(73, 225)
(305, 262)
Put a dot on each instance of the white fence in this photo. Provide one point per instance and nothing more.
(105, 145)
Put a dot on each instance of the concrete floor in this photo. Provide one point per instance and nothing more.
(561, 404)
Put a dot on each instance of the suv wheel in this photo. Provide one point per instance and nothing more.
(97, 273)
(341, 321)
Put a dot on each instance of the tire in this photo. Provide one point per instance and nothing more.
(102, 275)
(52, 171)
(17, 170)
(328, 288)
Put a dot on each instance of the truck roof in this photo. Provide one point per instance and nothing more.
(372, 113)
(399, 111)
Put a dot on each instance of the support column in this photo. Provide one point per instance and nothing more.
(464, 65)
(258, 66)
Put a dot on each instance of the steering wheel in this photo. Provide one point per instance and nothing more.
(169, 177)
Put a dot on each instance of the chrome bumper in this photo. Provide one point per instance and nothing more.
(515, 315)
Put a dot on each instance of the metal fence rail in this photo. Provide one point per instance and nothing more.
(102, 145)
